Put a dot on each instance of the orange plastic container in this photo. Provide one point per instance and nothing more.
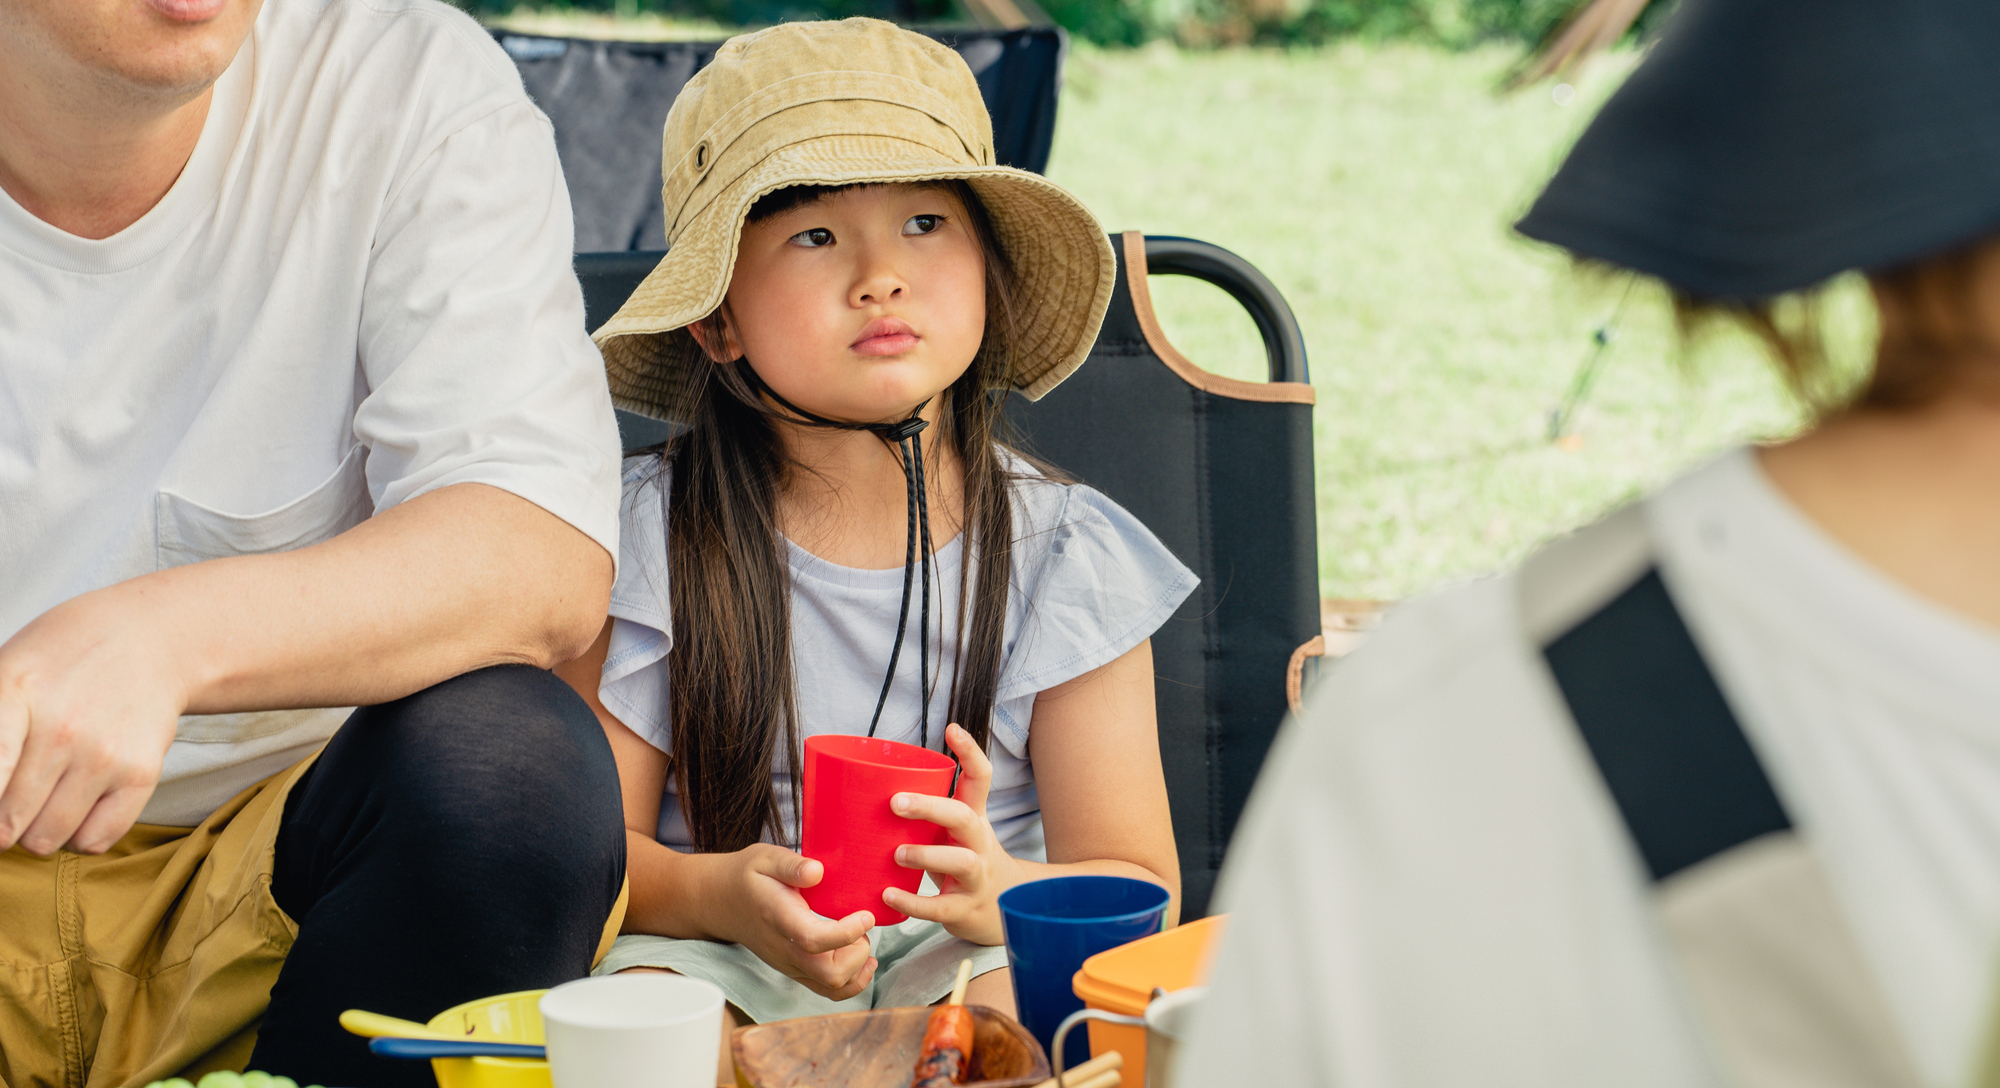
(1122, 980)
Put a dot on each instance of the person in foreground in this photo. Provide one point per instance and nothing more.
(838, 543)
(297, 411)
(1707, 793)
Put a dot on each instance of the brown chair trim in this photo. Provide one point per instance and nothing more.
(1156, 338)
(1004, 14)
(1295, 672)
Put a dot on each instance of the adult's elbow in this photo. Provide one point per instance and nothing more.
(574, 616)
(561, 581)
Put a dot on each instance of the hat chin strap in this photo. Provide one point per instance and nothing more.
(901, 436)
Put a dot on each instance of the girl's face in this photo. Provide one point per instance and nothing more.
(860, 305)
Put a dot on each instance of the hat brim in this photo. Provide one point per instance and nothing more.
(1764, 147)
(1062, 259)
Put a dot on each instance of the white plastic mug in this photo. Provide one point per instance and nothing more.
(1166, 1024)
(633, 1031)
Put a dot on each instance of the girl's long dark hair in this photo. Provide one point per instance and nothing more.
(734, 703)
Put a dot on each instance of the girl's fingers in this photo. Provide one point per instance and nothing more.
(953, 815)
(975, 776)
(854, 985)
(827, 976)
(930, 908)
(953, 861)
(968, 916)
(814, 934)
(857, 984)
(786, 910)
(795, 869)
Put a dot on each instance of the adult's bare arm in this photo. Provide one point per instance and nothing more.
(453, 580)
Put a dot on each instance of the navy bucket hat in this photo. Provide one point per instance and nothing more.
(1766, 145)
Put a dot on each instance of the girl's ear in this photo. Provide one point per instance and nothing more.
(717, 338)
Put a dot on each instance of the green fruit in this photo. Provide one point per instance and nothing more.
(252, 1079)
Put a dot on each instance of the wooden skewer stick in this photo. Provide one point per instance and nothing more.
(964, 980)
(1109, 1078)
(1086, 1074)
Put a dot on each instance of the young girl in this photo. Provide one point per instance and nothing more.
(837, 543)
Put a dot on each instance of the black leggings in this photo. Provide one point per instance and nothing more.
(462, 842)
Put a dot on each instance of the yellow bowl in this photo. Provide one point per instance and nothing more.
(508, 1018)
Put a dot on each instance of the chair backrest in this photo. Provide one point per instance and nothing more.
(609, 100)
(1220, 469)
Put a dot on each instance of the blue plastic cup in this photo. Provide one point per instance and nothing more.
(1053, 926)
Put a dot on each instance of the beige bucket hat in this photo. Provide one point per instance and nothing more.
(843, 103)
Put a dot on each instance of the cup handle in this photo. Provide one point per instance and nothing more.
(1078, 1017)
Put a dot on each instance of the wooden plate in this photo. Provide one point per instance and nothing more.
(878, 1049)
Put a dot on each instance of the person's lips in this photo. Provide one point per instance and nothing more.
(885, 336)
(188, 11)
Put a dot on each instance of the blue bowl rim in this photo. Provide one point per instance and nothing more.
(1166, 897)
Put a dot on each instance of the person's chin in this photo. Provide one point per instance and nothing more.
(185, 45)
(885, 405)
(898, 390)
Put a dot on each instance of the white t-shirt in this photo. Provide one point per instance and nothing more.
(1433, 888)
(358, 291)
(1089, 584)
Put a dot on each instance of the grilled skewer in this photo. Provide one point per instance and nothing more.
(947, 1054)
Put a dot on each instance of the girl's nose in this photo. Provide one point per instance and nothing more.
(878, 281)
(878, 292)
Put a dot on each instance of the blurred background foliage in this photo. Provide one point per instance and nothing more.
(1370, 159)
(1454, 24)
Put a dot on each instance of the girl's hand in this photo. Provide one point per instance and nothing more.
(971, 874)
(763, 911)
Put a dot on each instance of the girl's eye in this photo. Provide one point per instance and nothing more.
(922, 224)
(814, 238)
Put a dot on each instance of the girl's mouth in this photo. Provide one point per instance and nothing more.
(885, 336)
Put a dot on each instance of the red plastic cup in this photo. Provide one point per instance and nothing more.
(849, 827)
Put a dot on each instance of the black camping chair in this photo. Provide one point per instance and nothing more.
(609, 100)
(1220, 469)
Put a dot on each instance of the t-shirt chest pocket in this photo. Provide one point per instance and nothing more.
(189, 532)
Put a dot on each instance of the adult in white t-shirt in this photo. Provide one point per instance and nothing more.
(1450, 877)
(297, 410)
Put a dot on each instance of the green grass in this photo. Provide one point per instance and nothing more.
(1375, 184)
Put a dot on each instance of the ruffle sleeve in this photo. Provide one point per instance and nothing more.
(1092, 583)
(633, 686)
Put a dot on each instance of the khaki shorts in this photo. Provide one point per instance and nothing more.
(158, 956)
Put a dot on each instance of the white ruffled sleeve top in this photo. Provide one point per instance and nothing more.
(1089, 584)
